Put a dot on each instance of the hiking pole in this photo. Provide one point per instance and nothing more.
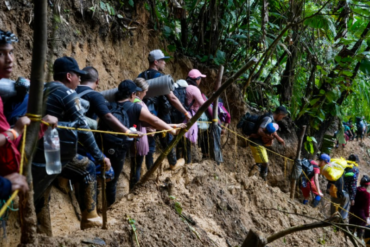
(104, 197)
(294, 180)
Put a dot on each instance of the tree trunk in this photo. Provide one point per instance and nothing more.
(27, 211)
(287, 80)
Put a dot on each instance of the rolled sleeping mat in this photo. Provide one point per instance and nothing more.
(110, 95)
(7, 89)
(158, 86)
(162, 85)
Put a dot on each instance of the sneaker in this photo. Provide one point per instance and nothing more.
(180, 163)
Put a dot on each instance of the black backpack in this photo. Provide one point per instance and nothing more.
(307, 167)
(176, 116)
(120, 112)
(250, 123)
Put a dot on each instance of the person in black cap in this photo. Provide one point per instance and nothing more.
(62, 102)
(135, 112)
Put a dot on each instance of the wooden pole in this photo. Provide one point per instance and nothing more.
(202, 109)
(218, 85)
(27, 210)
(293, 181)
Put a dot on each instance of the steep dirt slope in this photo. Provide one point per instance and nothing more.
(222, 200)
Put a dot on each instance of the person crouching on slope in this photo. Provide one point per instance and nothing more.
(258, 151)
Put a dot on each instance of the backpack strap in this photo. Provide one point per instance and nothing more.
(85, 92)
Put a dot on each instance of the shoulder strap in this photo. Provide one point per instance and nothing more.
(85, 92)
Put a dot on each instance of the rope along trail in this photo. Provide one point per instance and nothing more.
(286, 158)
(37, 118)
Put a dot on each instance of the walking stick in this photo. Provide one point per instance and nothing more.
(104, 197)
(293, 181)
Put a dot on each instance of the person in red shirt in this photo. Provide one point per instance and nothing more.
(361, 206)
(10, 137)
(312, 185)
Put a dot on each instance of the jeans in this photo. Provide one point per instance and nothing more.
(136, 163)
(172, 160)
(183, 149)
(149, 160)
(117, 160)
(203, 142)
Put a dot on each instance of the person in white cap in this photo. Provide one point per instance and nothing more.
(161, 107)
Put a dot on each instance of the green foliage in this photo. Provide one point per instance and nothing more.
(309, 144)
(330, 76)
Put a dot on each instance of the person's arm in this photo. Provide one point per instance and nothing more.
(157, 123)
(279, 138)
(85, 137)
(262, 133)
(114, 123)
(177, 104)
(18, 128)
(316, 179)
(12, 182)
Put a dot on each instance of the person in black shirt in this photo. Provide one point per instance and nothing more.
(63, 103)
(125, 97)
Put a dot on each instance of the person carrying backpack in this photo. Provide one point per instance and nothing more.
(161, 107)
(350, 178)
(130, 114)
(335, 188)
(141, 147)
(312, 185)
(361, 206)
(360, 128)
(193, 100)
(258, 128)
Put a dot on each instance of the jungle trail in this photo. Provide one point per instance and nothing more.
(66, 134)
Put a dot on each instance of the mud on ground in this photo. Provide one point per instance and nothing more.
(222, 203)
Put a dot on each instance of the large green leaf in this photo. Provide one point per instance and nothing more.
(365, 66)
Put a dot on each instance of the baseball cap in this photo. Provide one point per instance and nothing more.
(128, 86)
(194, 73)
(325, 157)
(270, 128)
(365, 180)
(65, 65)
(156, 55)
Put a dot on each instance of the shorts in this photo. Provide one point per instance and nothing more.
(259, 154)
(311, 186)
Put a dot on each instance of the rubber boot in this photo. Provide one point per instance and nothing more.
(264, 172)
(43, 216)
(89, 215)
(180, 163)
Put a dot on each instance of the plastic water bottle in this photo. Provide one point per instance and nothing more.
(132, 129)
(52, 151)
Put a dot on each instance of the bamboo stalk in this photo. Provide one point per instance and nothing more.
(27, 210)
(202, 109)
